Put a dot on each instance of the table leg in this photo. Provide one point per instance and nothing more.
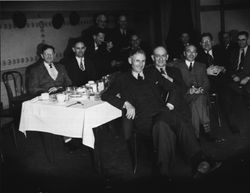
(48, 144)
(97, 159)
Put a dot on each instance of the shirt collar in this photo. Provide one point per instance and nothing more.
(47, 65)
(245, 50)
(188, 63)
(79, 59)
(135, 74)
(159, 68)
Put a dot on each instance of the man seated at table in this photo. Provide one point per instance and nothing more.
(80, 67)
(138, 95)
(48, 76)
(51, 77)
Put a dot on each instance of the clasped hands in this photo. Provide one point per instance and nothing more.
(241, 81)
(194, 90)
(214, 70)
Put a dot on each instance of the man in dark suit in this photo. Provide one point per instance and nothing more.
(140, 98)
(240, 62)
(218, 73)
(226, 44)
(100, 23)
(48, 76)
(80, 68)
(100, 52)
(176, 51)
(173, 74)
(121, 34)
(121, 39)
(214, 59)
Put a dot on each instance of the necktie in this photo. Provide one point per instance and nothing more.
(139, 77)
(190, 67)
(210, 59)
(81, 65)
(242, 56)
(162, 71)
(53, 72)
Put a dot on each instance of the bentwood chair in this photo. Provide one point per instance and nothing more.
(14, 84)
(6, 123)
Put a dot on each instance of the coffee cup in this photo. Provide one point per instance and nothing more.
(45, 96)
(61, 98)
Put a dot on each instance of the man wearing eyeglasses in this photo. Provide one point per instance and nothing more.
(48, 75)
(160, 66)
(240, 63)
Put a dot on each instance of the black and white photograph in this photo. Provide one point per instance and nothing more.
(125, 96)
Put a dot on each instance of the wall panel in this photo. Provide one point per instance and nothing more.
(210, 22)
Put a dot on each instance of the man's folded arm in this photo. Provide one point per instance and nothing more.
(111, 96)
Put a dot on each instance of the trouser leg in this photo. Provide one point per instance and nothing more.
(186, 139)
(164, 141)
(195, 120)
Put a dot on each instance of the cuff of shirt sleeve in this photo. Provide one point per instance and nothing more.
(170, 106)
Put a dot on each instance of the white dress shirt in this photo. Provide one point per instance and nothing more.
(79, 60)
(240, 52)
(188, 63)
(135, 74)
(210, 52)
(51, 70)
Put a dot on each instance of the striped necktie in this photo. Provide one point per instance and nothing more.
(82, 67)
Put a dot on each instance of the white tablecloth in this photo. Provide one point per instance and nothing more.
(76, 121)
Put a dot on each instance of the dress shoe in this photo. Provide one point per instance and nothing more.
(205, 168)
(210, 137)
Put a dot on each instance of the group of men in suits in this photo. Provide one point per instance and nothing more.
(141, 94)
(159, 99)
(222, 63)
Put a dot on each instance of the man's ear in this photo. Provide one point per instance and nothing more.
(167, 57)
(130, 59)
(74, 50)
(41, 56)
(153, 57)
(184, 53)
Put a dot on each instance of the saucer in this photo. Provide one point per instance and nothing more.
(75, 95)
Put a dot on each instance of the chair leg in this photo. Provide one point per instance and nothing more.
(219, 119)
(14, 135)
(2, 158)
(218, 111)
(135, 155)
